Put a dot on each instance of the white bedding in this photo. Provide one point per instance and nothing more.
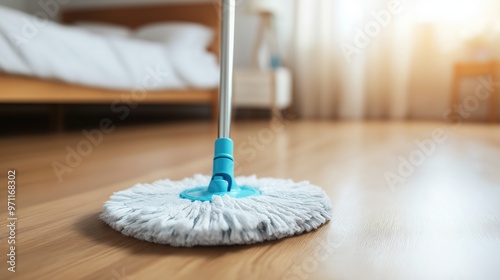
(76, 56)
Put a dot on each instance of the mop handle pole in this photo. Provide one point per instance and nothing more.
(226, 64)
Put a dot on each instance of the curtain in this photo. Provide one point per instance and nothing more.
(360, 59)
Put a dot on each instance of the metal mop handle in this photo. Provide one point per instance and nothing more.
(226, 64)
(223, 182)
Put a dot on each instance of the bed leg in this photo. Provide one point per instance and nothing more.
(215, 107)
(57, 118)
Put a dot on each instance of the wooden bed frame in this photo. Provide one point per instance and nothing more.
(26, 90)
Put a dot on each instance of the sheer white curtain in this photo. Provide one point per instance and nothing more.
(357, 59)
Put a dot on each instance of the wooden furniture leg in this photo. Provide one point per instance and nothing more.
(215, 107)
(57, 118)
(455, 89)
(494, 99)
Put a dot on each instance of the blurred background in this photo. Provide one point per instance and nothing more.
(323, 59)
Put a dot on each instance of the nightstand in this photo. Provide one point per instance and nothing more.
(270, 89)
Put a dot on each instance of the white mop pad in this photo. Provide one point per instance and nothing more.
(156, 213)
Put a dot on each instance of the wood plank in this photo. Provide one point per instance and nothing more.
(441, 222)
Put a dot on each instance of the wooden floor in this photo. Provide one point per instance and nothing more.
(441, 221)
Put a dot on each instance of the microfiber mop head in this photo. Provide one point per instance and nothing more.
(218, 210)
(155, 212)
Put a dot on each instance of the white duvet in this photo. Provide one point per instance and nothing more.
(50, 50)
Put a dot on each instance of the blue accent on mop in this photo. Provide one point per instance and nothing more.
(222, 182)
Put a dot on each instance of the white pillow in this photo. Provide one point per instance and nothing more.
(188, 35)
(106, 29)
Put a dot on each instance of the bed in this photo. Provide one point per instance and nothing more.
(27, 90)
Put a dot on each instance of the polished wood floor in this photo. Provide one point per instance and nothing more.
(438, 217)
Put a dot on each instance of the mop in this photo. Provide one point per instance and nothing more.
(218, 209)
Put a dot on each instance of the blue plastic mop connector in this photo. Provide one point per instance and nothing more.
(222, 182)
